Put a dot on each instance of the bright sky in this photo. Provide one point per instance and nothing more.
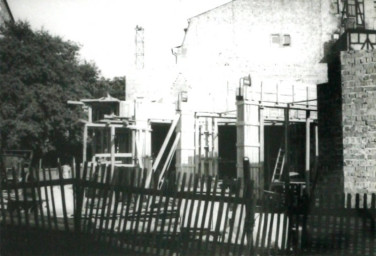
(106, 29)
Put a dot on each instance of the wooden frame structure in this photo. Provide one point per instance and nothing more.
(252, 117)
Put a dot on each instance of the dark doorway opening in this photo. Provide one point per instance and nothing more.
(273, 141)
(227, 151)
(158, 135)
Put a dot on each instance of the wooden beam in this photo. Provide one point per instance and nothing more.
(84, 146)
(168, 160)
(112, 143)
(287, 147)
(307, 153)
(262, 155)
(161, 151)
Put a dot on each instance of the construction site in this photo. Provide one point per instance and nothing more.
(263, 144)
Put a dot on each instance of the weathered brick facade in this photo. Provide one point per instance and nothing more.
(358, 83)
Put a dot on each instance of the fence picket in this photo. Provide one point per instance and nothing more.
(40, 201)
(63, 201)
(179, 198)
(219, 221)
(49, 218)
(102, 173)
(53, 200)
(225, 225)
(153, 216)
(19, 222)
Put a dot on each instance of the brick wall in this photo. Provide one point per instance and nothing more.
(358, 84)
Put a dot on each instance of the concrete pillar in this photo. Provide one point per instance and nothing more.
(185, 151)
(249, 142)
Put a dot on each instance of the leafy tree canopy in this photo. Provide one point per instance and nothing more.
(39, 73)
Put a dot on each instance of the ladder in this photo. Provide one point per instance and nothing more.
(278, 169)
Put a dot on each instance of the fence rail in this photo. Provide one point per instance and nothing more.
(93, 211)
(191, 214)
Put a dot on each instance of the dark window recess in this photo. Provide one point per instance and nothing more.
(286, 40)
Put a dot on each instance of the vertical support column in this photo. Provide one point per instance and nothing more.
(185, 150)
(308, 152)
(215, 146)
(249, 142)
(287, 154)
(84, 147)
(112, 143)
(262, 155)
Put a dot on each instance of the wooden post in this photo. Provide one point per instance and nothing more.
(112, 143)
(84, 147)
(261, 138)
(287, 146)
(308, 152)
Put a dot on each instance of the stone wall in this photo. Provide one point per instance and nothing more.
(358, 76)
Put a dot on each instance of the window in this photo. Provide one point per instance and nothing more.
(275, 40)
(286, 40)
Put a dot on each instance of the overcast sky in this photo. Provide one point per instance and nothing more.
(106, 29)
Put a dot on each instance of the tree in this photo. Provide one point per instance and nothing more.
(115, 87)
(39, 73)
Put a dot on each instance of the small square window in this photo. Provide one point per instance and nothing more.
(286, 40)
(275, 39)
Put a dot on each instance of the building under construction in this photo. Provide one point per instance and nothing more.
(288, 85)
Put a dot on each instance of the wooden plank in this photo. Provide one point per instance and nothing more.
(90, 202)
(110, 217)
(201, 182)
(19, 222)
(79, 195)
(191, 205)
(128, 192)
(234, 205)
(211, 211)
(52, 200)
(163, 148)
(270, 232)
(106, 194)
(137, 182)
(49, 218)
(138, 205)
(225, 225)
(240, 248)
(265, 226)
(175, 238)
(185, 210)
(277, 236)
(206, 180)
(3, 210)
(152, 200)
(98, 194)
(39, 192)
(174, 217)
(217, 234)
(63, 199)
(117, 197)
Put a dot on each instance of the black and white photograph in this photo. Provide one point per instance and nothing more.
(187, 127)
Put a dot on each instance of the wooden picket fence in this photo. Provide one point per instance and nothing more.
(92, 211)
(326, 224)
(96, 211)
